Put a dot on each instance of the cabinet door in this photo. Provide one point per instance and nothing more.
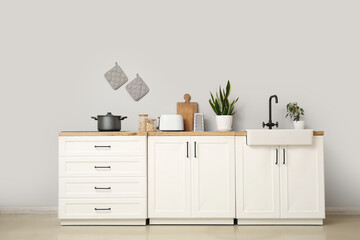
(213, 177)
(168, 177)
(302, 181)
(257, 180)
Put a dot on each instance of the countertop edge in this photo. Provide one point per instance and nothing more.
(80, 134)
(210, 133)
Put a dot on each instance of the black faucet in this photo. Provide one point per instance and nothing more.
(270, 124)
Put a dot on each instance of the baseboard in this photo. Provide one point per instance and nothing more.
(301, 221)
(28, 210)
(54, 210)
(192, 221)
(103, 222)
(342, 210)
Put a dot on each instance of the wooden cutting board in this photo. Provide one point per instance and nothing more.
(187, 110)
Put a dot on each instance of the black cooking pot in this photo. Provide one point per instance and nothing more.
(109, 122)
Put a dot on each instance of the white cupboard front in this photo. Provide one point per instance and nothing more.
(258, 189)
(169, 177)
(191, 179)
(280, 184)
(302, 181)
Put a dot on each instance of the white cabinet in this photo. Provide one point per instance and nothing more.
(169, 177)
(280, 184)
(191, 179)
(213, 177)
(257, 179)
(302, 181)
(102, 180)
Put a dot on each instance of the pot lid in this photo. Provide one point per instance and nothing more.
(109, 114)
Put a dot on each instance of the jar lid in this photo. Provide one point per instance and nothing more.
(143, 115)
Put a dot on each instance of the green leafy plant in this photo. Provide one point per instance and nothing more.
(294, 111)
(221, 104)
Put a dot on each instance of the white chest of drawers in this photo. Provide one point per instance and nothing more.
(102, 180)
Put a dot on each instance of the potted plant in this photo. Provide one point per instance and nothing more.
(295, 112)
(223, 108)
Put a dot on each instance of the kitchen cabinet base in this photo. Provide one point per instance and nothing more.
(192, 221)
(103, 222)
(315, 221)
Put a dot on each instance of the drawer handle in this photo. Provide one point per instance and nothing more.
(102, 209)
(102, 188)
(102, 166)
(104, 146)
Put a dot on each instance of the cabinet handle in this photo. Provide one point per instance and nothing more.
(187, 149)
(102, 166)
(102, 209)
(102, 188)
(284, 155)
(277, 156)
(195, 149)
(100, 146)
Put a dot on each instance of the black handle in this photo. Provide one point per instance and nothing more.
(284, 155)
(187, 149)
(122, 118)
(102, 166)
(102, 209)
(95, 118)
(277, 156)
(107, 146)
(195, 149)
(102, 188)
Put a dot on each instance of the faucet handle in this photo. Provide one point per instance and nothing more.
(276, 124)
(263, 124)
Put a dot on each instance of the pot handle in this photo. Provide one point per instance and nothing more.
(158, 127)
(95, 118)
(122, 118)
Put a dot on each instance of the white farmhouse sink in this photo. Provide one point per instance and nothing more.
(279, 137)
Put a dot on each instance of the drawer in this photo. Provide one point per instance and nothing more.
(111, 188)
(102, 146)
(102, 208)
(130, 166)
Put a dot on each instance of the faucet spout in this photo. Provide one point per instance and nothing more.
(273, 96)
(270, 124)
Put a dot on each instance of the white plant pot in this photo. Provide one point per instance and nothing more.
(224, 122)
(299, 124)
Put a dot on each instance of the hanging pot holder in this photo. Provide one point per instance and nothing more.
(116, 77)
(137, 88)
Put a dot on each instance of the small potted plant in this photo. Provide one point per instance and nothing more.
(295, 112)
(223, 108)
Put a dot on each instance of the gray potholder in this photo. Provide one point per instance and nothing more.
(137, 88)
(116, 77)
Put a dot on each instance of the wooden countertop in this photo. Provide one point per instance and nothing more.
(96, 133)
(207, 133)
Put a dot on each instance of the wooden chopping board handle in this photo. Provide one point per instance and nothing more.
(187, 97)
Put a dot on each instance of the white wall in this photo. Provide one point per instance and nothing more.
(53, 55)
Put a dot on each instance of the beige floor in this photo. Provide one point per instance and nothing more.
(40, 227)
